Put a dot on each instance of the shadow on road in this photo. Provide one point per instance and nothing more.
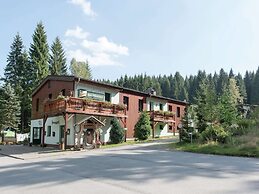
(137, 164)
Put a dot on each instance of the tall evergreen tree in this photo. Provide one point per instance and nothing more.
(39, 54)
(57, 60)
(222, 82)
(255, 88)
(18, 75)
(10, 108)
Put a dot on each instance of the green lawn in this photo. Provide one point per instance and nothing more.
(219, 149)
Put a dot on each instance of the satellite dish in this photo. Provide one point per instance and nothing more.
(180, 125)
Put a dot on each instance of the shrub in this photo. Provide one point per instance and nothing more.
(117, 132)
(142, 127)
(215, 133)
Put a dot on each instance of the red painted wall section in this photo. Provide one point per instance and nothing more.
(174, 109)
(132, 112)
(53, 88)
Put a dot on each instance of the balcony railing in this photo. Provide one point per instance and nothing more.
(162, 116)
(84, 106)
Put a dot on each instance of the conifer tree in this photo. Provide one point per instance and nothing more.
(57, 60)
(18, 74)
(117, 132)
(255, 89)
(39, 54)
(142, 127)
(10, 108)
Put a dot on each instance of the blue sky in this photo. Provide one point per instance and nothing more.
(148, 36)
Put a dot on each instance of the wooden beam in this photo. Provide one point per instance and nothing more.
(65, 130)
(43, 130)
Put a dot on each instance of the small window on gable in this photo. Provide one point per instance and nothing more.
(50, 96)
(161, 106)
(63, 92)
(107, 97)
(37, 104)
(170, 108)
(151, 106)
(126, 101)
(178, 111)
(140, 105)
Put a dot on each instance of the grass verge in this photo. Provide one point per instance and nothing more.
(218, 149)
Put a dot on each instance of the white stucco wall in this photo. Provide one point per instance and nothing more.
(114, 93)
(157, 103)
(162, 132)
(55, 123)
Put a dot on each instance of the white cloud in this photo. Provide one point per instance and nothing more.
(77, 33)
(101, 52)
(104, 45)
(85, 5)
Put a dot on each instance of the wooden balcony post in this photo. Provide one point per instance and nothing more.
(43, 130)
(65, 130)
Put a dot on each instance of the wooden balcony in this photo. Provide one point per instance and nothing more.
(83, 106)
(162, 116)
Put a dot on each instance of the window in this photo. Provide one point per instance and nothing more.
(50, 96)
(63, 92)
(170, 108)
(49, 84)
(49, 131)
(161, 127)
(170, 127)
(37, 104)
(151, 106)
(107, 97)
(178, 111)
(161, 107)
(126, 101)
(81, 93)
(140, 105)
(53, 134)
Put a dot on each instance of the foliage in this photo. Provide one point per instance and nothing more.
(214, 133)
(18, 73)
(80, 69)
(57, 61)
(188, 125)
(9, 108)
(39, 54)
(142, 127)
(117, 132)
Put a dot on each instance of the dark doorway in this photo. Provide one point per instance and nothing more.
(36, 135)
(89, 136)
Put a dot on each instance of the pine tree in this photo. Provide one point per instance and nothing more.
(142, 127)
(39, 54)
(10, 108)
(57, 60)
(222, 82)
(18, 74)
(117, 132)
(80, 69)
(255, 89)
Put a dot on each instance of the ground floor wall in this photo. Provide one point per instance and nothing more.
(54, 134)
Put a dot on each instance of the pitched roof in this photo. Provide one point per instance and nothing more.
(122, 89)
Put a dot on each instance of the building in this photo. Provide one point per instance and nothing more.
(71, 112)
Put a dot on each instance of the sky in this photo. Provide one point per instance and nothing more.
(148, 36)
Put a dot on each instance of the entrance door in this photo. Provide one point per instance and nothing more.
(61, 133)
(36, 135)
(89, 136)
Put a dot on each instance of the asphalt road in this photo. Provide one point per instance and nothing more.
(145, 168)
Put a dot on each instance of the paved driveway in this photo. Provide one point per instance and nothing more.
(145, 168)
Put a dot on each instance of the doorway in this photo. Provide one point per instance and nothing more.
(36, 135)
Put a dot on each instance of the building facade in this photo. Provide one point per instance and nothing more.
(73, 112)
